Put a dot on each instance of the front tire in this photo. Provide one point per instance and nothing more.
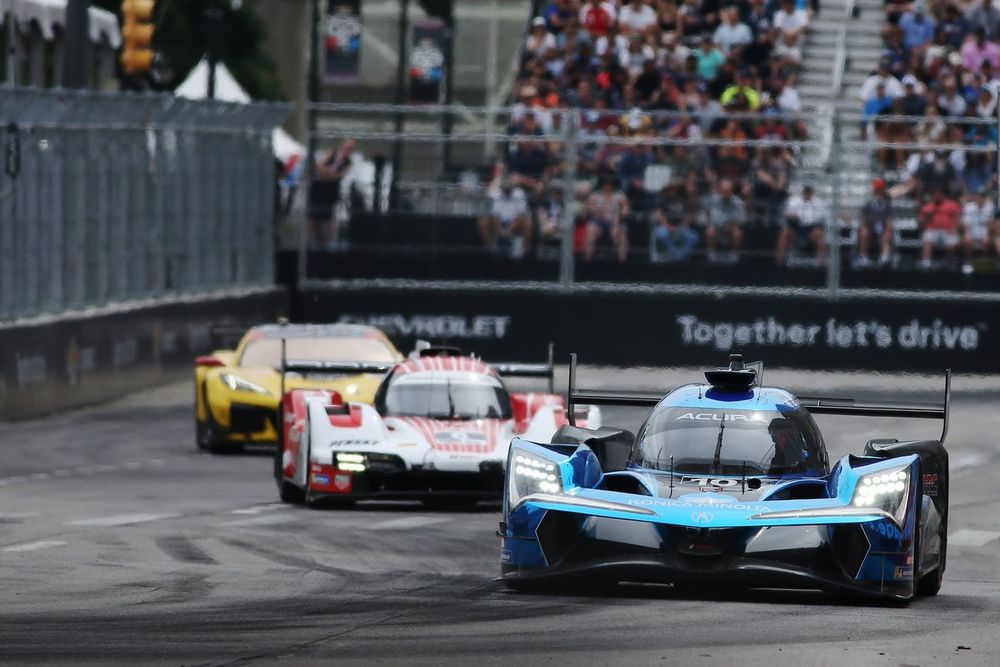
(201, 434)
(291, 494)
(930, 583)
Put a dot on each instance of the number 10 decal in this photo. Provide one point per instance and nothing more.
(720, 482)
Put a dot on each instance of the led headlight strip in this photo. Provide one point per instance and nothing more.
(533, 478)
(537, 474)
(350, 462)
(874, 490)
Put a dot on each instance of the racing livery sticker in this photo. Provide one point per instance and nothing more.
(930, 480)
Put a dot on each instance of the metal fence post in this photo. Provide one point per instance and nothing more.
(566, 261)
(833, 224)
(8, 197)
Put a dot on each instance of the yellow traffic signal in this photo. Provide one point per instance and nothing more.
(137, 36)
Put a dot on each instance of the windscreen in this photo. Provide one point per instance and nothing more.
(267, 352)
(729, 442)
(447, 399)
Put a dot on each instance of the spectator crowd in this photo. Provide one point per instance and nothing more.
(931, 108)
(675, 101)
(667, 94)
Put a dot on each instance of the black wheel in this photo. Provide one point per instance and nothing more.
(291, 494)
(201, 434)
(930, 583)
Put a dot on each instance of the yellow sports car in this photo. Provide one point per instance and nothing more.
(237, 392)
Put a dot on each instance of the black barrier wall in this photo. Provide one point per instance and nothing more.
(56, 363)
(655, 328)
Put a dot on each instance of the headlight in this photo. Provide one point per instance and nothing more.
(530, 474)
(350, 461)
(885, 490)
(236, 383)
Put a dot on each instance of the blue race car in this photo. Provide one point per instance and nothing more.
(728, 483)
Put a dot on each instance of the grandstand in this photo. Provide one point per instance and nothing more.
(673, 103)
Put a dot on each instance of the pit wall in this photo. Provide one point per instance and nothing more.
(56, 363)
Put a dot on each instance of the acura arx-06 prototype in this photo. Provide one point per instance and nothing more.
(728, 483)
(237, 392)
(439, 431)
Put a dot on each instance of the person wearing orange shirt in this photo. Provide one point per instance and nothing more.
(939, 219)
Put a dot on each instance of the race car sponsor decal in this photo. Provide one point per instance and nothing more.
(718, 417)
(702, 516)
(888, 530)
(696, 504)
(354, 443)
(342, 483)
(903, 572)
(930, 480)
(458, 437)
(720, 482)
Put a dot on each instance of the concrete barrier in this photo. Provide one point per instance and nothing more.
(74, 359)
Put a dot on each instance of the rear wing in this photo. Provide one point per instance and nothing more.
(818, 405)
(543, 370)
(576, 396)
(306, 366)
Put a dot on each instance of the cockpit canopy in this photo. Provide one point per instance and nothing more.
(736, 439)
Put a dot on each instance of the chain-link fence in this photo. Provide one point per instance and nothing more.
(106, 198)
(813, 199)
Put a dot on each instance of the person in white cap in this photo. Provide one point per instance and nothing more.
(540, 40)
(636, 16)
(884, 77)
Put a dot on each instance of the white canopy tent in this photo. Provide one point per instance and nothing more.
(227, 89)
(32, 26)
(48, 14)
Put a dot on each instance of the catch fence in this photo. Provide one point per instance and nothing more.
(422, 198)
(107, 198)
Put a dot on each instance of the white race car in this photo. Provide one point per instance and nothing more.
(439, 430)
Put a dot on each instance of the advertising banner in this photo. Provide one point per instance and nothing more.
(63, 362)
(342, 40)
(681, 329)
(427, 62)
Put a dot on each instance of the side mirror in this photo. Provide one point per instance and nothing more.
(613, 449)
(611, 446)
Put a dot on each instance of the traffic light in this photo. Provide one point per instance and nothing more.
(137, 36)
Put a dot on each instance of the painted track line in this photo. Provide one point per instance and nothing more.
(120, 520)
(409, 523)
(966, 537)
(34, 546)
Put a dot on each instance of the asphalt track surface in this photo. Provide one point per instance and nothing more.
(122, 544)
